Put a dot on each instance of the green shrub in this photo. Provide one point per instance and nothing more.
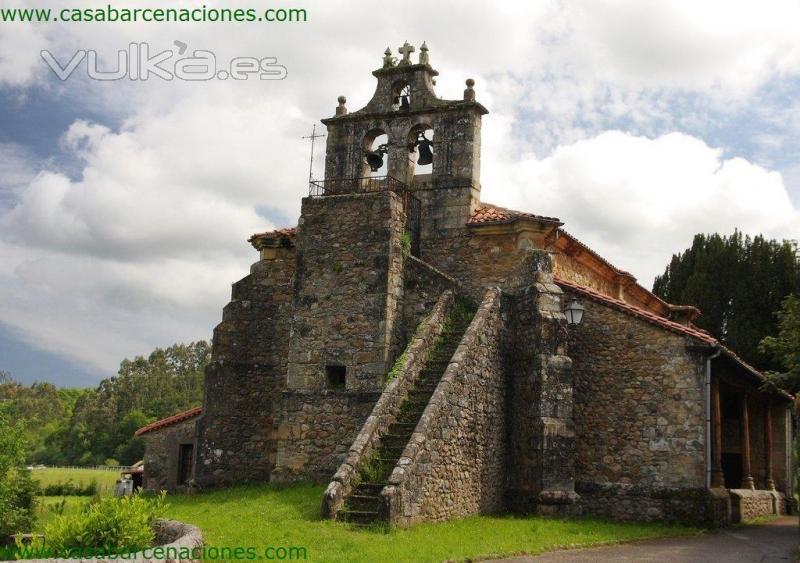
(17, 503)
(69, 489)
(17, 489)
(119, 524)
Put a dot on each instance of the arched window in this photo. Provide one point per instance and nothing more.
(420, 142)
(375, 148)
(401, 96)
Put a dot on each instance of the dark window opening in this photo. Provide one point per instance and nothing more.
(185, 463)
(337, 376)
(732, 470)
(731, 405)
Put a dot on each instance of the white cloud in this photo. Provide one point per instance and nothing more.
(638, 200)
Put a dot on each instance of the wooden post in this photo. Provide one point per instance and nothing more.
(717, 476)
(768, 446)
(747, 477)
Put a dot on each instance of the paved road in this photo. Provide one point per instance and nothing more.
(775, 541)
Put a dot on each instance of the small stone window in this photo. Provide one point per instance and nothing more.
(337, 376)
(401, 96)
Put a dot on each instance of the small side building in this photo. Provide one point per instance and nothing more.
(170, 451)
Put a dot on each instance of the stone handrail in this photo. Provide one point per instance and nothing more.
(394, 491)
(384, 413)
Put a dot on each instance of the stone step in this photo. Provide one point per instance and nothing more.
(358, 516)
(368, 489)
(370, 503)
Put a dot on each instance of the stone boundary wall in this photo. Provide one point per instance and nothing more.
(748, 505)
(454, 464)
(636, 503)
(385, 410)
(170, 535)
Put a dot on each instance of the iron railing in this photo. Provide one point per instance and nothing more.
(340, 186)
(411, 204)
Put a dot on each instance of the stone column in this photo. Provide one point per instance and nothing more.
(768, 446)
(542, 479)
(717, 476)
(747, 477)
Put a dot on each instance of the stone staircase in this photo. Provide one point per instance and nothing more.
(363, 505)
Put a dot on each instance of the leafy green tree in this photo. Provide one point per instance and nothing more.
(785, 347)
(738, 282)
(17, 489)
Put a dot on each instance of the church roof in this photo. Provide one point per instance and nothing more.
(488, 213)
(666, 324)
(277, 233)
(169, 421)
(638, 312)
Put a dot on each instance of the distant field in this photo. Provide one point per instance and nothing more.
(105, 477)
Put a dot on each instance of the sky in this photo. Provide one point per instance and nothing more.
(125, 205)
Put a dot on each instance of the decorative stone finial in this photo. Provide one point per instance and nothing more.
(423, 54)
(406, 51)
(469, 93)
(341, 109)
(388, 60)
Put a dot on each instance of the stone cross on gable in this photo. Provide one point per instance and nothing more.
(406, 51)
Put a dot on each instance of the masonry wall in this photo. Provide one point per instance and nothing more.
(161, 454)
(478, 261)
(348, 290)
(542, 438)
(246, 376)
(454, 464)
(639, 418)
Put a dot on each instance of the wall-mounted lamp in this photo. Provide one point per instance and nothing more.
(574, 313)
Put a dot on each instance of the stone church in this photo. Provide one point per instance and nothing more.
(429, 355)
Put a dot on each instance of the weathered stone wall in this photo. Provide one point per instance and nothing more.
(542, 436)
(161, 454)
(246, 376)
(348, 290)
(639, 409)
(639, 415)
(315, 430)
(619, 501)
(478, 261)
(387, 408)
(748, 505)
(454, 464)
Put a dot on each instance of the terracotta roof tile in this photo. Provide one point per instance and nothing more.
(169, 421)
(277, 233)
(638, 312)
(488, 213)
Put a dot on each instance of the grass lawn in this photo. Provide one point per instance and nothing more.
(105, 477)
(266, 515)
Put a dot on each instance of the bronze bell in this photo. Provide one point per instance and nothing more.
(375, 158)
(425, 148)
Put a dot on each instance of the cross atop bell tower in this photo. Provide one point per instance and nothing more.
(410, 135)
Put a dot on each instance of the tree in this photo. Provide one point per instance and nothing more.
(785, 347)
(738, 282)
(17, 489)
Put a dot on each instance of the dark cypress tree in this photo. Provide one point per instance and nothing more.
(738, 283)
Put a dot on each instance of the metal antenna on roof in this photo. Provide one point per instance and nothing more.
(313, 137)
